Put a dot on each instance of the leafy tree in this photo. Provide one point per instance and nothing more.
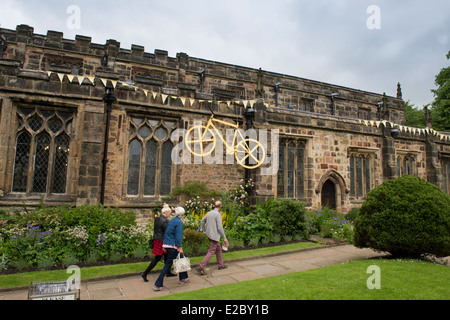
(414, 117)
(440, 112)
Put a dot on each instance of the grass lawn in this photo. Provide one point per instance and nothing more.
(400, 280)
(25, 278)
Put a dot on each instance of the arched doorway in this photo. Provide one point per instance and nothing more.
(329, 195)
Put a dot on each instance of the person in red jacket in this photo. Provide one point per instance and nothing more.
(158, 237)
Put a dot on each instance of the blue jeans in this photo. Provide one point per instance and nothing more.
(171, 255)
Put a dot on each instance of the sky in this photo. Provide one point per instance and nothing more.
(369, 45)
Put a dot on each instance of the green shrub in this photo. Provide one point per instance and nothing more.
(287, 216)
(253, 226)
(406, 217)
(194, 239)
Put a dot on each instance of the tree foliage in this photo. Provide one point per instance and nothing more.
(414, 117)
(440, 112)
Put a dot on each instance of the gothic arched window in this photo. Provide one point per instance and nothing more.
(42, 150)
(150, 157)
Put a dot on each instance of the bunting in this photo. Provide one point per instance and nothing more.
(164, 97)
(402, 128)
(246, 103)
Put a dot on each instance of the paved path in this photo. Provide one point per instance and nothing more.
(134, 288)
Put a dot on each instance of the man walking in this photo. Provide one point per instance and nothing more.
(211, 225)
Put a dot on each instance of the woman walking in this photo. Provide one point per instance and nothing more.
(158, 237)
(173, 239)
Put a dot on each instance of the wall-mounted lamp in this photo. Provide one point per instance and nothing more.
(333, 105)
(104, 61)
(395, 133)
(277, 90)
(379, 104)
(202, 79)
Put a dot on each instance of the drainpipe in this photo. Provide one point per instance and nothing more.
(108, 98)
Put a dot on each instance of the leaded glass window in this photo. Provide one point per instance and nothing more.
(291, 177)
(406, 164)
(150, 157)
(360, 175)
(42, 150)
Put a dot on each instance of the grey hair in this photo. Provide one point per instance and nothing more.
(166, 208)
(179, 212)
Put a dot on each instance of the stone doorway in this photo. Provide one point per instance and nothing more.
(329, 195)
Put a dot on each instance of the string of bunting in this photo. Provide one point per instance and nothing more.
(91, 80)
(413, 130)
(82, 79)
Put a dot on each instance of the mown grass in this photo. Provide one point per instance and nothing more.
(400, 280)
(25, 278)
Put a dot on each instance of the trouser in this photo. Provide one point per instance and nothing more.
(153, 264)
(171, 255)
(214, 247)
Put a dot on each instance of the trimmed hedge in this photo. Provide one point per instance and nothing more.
(406, 217)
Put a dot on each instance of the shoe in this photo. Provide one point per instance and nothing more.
(171, 275)
(184, 281)
(159, 288)
(144, 277)
(201, 271)
(222, 267)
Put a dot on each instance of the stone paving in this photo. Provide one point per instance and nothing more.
(134, 288)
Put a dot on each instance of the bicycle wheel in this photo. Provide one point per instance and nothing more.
(203, 140)
(249, 149)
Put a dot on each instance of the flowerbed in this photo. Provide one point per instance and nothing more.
(63, 236)
(91, 235)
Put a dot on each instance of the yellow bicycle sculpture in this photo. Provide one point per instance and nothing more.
(205, 138)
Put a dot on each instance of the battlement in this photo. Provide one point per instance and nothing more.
(192, 77)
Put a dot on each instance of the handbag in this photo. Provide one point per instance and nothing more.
(181, 264)
(151, 243)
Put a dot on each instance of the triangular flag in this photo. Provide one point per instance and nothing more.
(61, 77)
(183, 101)
(92, 80)
(70, 77)
(252, 103)
(228, 103)
(371, 123)
(104, 81)
(145, 92)
(366, 122)
(154, 94)
(377, 123)
(114, 83)
(164, 97)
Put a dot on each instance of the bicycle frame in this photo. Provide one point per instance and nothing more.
(236, 147)
(217, 133)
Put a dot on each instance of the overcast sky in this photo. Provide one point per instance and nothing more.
(345, 42)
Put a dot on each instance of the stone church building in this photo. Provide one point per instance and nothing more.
(85, 123)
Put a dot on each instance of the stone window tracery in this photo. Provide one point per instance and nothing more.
(150, 157)
(360, 173)
(42, 150)
(291, 169)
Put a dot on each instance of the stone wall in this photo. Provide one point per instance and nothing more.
(327, 119)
